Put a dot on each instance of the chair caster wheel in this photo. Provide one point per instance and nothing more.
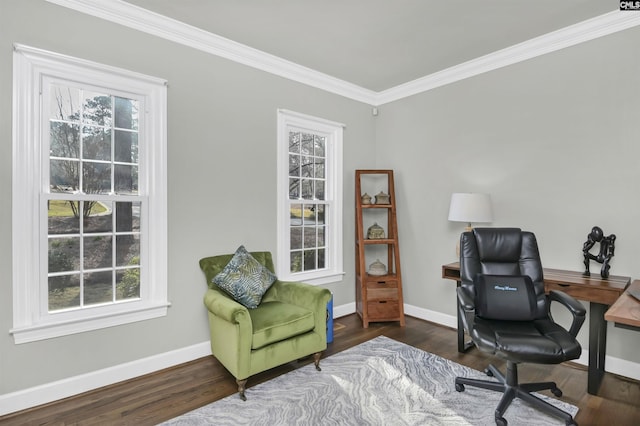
(501, 421)
(459, 387)
(488, 372)
(557, 392)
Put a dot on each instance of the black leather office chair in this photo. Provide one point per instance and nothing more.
(506, 313)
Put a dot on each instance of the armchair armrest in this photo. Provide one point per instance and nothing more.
(304, 295)
(225, 307)
(467, 307)
(576, 309)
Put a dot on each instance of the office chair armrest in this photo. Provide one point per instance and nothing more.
(576, 309)
(466, 306)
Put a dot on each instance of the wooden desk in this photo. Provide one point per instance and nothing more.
(625, 312)
(599, 292)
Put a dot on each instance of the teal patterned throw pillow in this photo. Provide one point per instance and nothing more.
(245, 279)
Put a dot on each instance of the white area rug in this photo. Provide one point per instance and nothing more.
(379, 382)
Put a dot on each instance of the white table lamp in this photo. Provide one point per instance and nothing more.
(470, 207)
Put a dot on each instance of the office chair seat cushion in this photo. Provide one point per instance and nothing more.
(505, 297)
(541, 341)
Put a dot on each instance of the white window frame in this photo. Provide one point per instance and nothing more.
(31, 319)
(333, 270)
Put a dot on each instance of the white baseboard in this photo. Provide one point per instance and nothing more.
(54, 391)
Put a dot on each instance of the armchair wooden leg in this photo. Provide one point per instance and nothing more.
(316, 360)
(241, 386)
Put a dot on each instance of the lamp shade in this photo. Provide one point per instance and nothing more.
(470, 207)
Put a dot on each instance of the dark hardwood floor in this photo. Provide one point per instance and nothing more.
(168, 393)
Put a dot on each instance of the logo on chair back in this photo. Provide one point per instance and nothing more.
(629, 5)
(504, 288)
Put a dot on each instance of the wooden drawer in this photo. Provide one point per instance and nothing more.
(382, 293)
(381, 283)
(383, 309)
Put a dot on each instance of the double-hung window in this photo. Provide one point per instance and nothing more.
(89, 196)
(309, 198)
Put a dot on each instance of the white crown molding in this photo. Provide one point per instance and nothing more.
(140, 19)
(590, 29)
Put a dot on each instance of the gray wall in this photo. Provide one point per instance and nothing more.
(221, 176)
(555, 140)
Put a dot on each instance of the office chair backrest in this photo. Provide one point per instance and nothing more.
(502, 251)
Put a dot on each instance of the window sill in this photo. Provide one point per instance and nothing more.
(33, 333)
(333, 277)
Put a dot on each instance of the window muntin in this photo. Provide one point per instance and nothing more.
(310, 198)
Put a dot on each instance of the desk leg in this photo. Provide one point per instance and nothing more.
(597, 346)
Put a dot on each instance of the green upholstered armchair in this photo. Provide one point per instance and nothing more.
(288, 324)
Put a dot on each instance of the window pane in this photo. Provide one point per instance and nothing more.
(295, 214)
(294, 142)
(64, 292)
(319, 145)
(321, 263)
(319, 168)
(294, 189)
(307, 189)
(64, 140)
(65, 103)
(127, 250)
(126, 113)
(64, 175)
(64, 254)
(98, 251)
(307, 144)
(128, 217)
(294, 165)
(319, 194)
(306, 168)
(296, 238)
(63, 217)
(309, 217)
(97, 216)
(309, 237)
(125, 179)
(96, 143)
(309, 260)
(96, 178)
(320, 214)
(128, 284)
(296, 261)
(126, 147)
(321, 231)
(97, 109)
(98, 287)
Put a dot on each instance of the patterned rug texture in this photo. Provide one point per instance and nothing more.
(379, 382)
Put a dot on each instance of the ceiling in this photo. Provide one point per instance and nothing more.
(379, 44)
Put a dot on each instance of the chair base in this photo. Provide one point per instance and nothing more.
(511, 389)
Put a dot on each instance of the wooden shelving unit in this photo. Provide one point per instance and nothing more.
(378, 297)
